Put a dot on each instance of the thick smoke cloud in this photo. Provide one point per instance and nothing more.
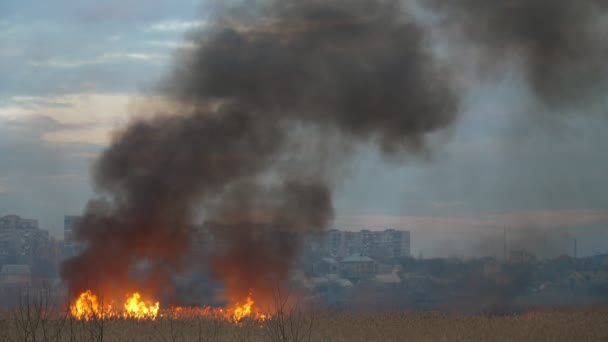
(359, 65)
(563, 44)
(266, 82)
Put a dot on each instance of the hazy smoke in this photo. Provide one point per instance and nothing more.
(266, 82)
(563, 44)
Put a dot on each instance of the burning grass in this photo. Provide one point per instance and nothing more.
(589, 325)
(88, 306)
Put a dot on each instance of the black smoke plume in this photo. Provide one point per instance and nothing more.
(267, 84)
(563, 44)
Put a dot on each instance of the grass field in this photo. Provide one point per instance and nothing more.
(589, 325)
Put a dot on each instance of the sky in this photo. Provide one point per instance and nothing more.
(72, 72)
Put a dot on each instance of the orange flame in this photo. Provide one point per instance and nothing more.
(138, 309)
(87, 307)
(238, 312)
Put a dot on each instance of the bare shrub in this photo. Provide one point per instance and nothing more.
(36, 317)
(289, 322)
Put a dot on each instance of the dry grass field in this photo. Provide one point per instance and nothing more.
(589, 325)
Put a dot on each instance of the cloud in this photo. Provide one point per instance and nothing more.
(75, 118)
(106, 58)
(88, 13)
(446, 204)
(516, 220)
(134, 55)
(412, 222)
(51, 57)
(38, 178)
(75, 111)
(554, 218)
(177, 26)
(172, 44)
(94, 135)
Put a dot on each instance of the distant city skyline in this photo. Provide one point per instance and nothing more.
(460, 241)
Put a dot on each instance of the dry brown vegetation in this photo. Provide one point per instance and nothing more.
(589, 325)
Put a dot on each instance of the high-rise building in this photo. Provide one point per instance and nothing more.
(69, 224)
(21, 240)
(70, 247)
(9, 222)
(386, 244)
(334, 243)
(397, 242)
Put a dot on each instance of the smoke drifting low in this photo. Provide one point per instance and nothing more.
(260, 76)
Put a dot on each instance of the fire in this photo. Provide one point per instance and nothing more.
(87, 306)
(138, 309)
(242, 311)
(239, 312)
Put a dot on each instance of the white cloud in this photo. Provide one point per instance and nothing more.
(172, 44)
(96, 135)
(133, 55)
(58, 63)
(83, 118)
(70, 109)
(87, 118)
(174, 26)
(106, 58)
